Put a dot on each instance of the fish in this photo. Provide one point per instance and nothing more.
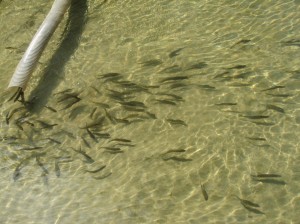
(37, 159)
(272, 88)
(173, 96)
(86, 142)
(152, 63)
(45, 125)
(198, 65)
(71, 103)
(102, 177)
(238, 67)
(169, 102)
(204, 192)
(86, 156)
(95, 123)
(174, 78)
(206, 86)
(110, 76)
(243, 41)
(256, 116)
(280, 95)
(257, 138)
(17, 172)
(178, 159)
(97, 170)
(292, 42)
(247, 203)
(120, 140)
(133, 104)
(91, 135)
(265, 175)
(57, 169)
(176, 122)
(226, 104)
(275, 108)
(31, 148)
(172, 69)
(50, 108)
(53, 140)
(178, 85)
(102, 135)
(174, 150)
(254, 210)
(113, 152)
(175, 52)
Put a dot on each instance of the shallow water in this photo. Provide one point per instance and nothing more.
(207, 94)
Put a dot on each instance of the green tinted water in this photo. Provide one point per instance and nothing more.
(208, 94)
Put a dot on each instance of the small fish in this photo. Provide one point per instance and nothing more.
(45, 178)
(87, 157)
(256, 116)
(275, 108)
(173, 96)
(112, 120)
(102, 177)
(238, 67)
(71, 103)
(93, 124)
(175, 53)
(56, 168)
(178, 159)
(124, 144)
(91, 135)
(176, 122)
(172, 69)
(265, 175)
(45, 125)
(134, 104)
(242, 75)
(206, 86)
(178, 85)
(97, 170)
(226, 104)
(86, 142)
(116, 151)
(280, 95)
(110, 76)
(50, 108)
(174, 78)
(17, 172)
(120, 140)
(254, 210)
(174, 150)
(198, 65)
(37, 159)
(247, 203)
(169, 102)
(292, 42)
(102, 135)
(111, 148)
(273, 87)
(243, 41)
(257, 138)
(31, 148)
(53, 140)
(152, 63)
(205, 195)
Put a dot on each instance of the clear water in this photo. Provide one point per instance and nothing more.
(219, 82)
